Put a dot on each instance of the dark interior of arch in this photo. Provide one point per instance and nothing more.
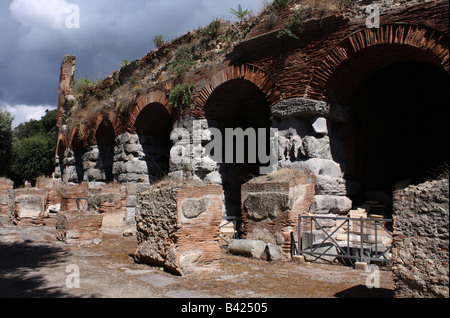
(60, 152)
(153, 126)
(79, 150)
(105, 138)
(399, 130)
(342, 85)
(237, 104)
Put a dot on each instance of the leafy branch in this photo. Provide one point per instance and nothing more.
(240, 14)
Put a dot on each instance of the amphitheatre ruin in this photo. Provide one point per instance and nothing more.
(352, 111)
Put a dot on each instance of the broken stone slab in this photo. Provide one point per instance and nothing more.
(249, 248)
(273, 254)
(318, 167)
(297, 107)
(326, 204)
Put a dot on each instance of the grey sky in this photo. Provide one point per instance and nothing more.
(34, 39)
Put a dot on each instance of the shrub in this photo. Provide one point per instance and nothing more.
(211, 31)
(282, 4)
(125, 63)
(182, 61)
(182, 96)
(159, 40)
(83, 84)
(294, 23)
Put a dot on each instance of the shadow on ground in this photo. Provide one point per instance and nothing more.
(19, 266)
(361, 291)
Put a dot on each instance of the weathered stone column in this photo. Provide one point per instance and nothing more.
(310, 139)
(187, 159)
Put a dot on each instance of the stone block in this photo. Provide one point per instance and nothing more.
(319, 167)
(78, 227)
(6, 184)
(249, 248)
(326, 204)
(299, 259)
(317, 147)
(271, 205)
(296, 107)
(326, 185)
(5, 202)
(320, 126)
(111, 202)
(178, 225)
(361, 266)
(29, 207)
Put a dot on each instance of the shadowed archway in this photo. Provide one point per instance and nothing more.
(235, 104)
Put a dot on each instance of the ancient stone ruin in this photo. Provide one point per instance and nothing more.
(355, 114)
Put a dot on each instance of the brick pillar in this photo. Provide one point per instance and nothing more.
(66, 84)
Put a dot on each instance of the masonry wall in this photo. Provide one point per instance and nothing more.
(421, 238)
(6, 194)
(178, 226)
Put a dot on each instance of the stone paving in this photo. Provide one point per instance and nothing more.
(34, 264)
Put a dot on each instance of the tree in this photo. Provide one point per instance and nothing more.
(33, 157)
(5, 140)
(33, 148)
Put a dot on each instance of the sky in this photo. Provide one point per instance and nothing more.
(36, 34)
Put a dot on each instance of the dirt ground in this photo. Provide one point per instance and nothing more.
(34, 264)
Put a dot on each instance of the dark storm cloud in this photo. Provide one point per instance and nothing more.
(34, 38)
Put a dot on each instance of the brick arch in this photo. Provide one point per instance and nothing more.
(247, 72)
(142, 102)
(60, 144)
(72, 136)
(91, 140)
(427, 44)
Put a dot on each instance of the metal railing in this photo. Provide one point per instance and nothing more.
(359, 238)
(236, 226)
(82, 204)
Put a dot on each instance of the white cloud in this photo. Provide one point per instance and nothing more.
(24, 113)
(46, 14)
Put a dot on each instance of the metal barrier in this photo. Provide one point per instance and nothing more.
(359, 239)
(237, 229)
(82, 204)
